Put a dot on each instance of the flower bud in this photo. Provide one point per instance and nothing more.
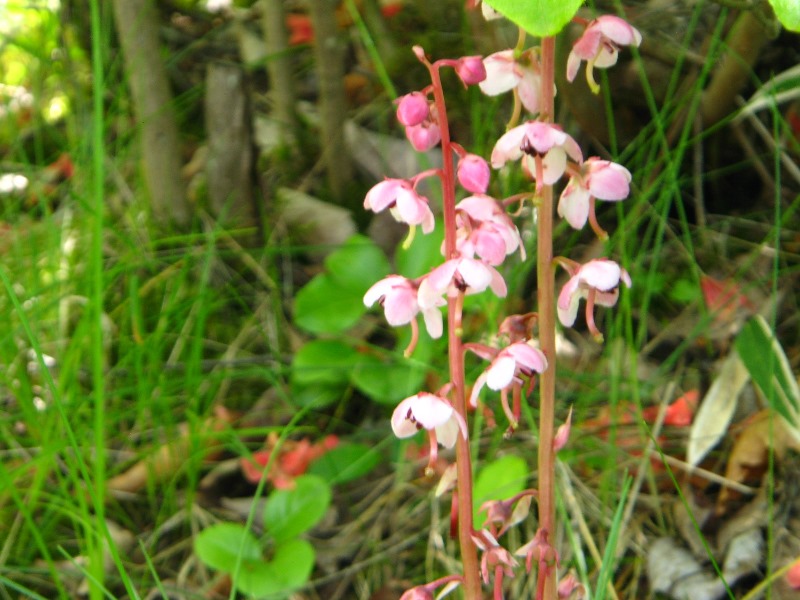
(424, 136)
(473, 174)
(412, 109)
(471, 70)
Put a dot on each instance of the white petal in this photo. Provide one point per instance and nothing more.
(501, 373)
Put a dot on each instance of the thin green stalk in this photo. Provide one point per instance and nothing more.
(94, 541)
(548, 578)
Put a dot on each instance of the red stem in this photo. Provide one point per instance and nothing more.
(469, 552)
(548, 577)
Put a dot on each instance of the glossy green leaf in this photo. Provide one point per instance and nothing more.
(769, 368)
(422, 255)
(288, 569)
(357, 265)
(345, 463)
(323, 362)
(540, 18)
(498, 480)
(788, 13)
(324, 306)
(387, 381)
(219, 546)
(288, 513)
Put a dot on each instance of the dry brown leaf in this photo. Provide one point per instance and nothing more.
(717, 409)
(750, 453)
(169, 458)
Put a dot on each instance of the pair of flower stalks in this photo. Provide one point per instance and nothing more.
(479, 235)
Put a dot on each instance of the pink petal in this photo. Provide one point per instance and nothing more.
(573, 64)
(568, 301)
(381, 288)
(608, 180)
(447, 433)
(412, 208)
(529, 90)
(501, 372)
(476, 389)
(573, 205)
(554, 163)
(473, 174)
(508, 146)
(475, 274)
(479, 207)
(490, 245)
(384, 194)
(587, 46)
(400, 306)
(501, 73)
(498, 284)
(543, 136)
(618, 30)
(528, 357)
(438, 281)
(600, 274)
(433, 322)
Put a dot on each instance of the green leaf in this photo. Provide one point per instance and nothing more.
(540, 18)
(357, 265)
(289, 513)
(345, 462)
(788, 13)
(423, 255)
(323, 363)
(324, 306)
(770, 369)
(219, 546)
(290, 567)
(498, 480)
(387, 382)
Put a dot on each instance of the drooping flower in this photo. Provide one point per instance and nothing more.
(513, 361)
(403, 201)
(413, 109)
(598, 282)
(424, 136)
(501, 515)
(486, 229)
(473, 173)
(398, 296)
(428, 591)
(470, 69)
(505, 72)
(432, 413)
(495, 559)
(464, 274)
(595, 178)
(599, 46)
(545, 147)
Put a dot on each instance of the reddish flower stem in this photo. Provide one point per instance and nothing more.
(548, 578)
(469, 552)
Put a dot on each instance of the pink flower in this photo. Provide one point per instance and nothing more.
(596, 178)
(598, 282)
(470, 69)
(504, 72)
(495, 560)
(432, 413)
(488, 231)
(599, 46)
(519, 358)
(504, 514)
(427, 591)
(405, 204)
(545, 146)
(398, 296)
(460, 274)
(424, 136)
(473, 173)
(413, 109)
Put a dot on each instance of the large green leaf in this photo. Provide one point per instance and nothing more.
(357, 265)
(323, 362)
(788, 13)
(770, 369)
(424, 253)
(289, 568)
(324, 306)
(219, 546)
(289, 513)
(387, 382)
(540, 18)
(345, 463)
(498, 480)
